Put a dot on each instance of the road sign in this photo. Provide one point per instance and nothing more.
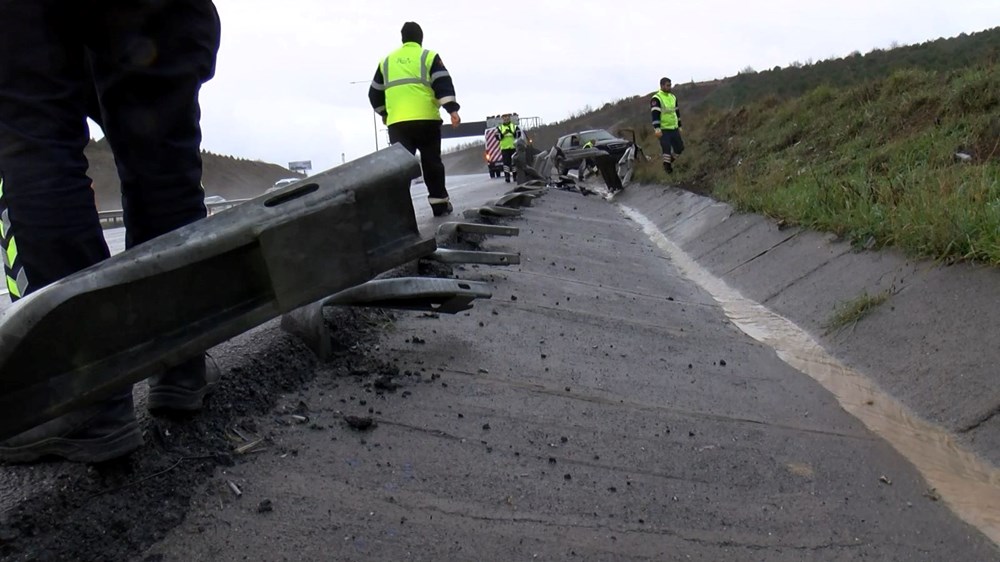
(300, 166)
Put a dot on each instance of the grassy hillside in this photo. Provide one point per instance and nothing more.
(897, 147)
(232, 178)
(911, 161)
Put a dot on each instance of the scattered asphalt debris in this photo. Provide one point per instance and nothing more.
(722, 362)
(416, 339)
(182, 455)
(265, 506)
(486, 427)
(360, 423)
(385, 382)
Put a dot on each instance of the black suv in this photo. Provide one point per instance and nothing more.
(568, 147)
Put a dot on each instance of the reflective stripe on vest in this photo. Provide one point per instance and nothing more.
(507, 135)
(408, 92)
(668, 110)
(16, 280)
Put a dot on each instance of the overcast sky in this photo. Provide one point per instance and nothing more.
(283, 88)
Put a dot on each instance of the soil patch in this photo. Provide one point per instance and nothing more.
(116, 510)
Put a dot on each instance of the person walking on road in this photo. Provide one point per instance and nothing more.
(136, 68)
(410, 86)
(667, 124)
(508, 133)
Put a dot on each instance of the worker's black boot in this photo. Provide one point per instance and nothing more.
(97, 433)
(184, 387)
(442, 209)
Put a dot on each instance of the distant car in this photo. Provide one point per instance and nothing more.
(568, 145)
(282, 183)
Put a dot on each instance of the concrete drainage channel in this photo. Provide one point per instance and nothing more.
(950, 459)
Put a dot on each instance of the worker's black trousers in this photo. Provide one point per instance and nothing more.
(133, 66)
(423, 136)
(671, 142)
(508, 162)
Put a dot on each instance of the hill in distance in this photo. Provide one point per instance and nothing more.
(227, 176)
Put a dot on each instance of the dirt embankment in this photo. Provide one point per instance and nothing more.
(230, 177)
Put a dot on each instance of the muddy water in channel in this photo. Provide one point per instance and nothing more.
(969, 485)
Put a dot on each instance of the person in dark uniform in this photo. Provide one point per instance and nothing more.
(410, 86)
(136, 68)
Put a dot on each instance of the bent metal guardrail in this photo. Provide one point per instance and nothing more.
(151, 307)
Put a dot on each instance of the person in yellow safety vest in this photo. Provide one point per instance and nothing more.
(507, 134)
(667, 124)
(410, 86)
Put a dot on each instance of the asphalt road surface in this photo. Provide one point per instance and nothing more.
(600, 406)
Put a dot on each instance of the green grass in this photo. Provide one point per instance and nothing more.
(874, 163)
(851, 312)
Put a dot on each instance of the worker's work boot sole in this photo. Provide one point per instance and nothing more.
(94, 434)
(184, 387)
(442, 209)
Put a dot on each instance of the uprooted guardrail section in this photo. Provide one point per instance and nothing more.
(447, 296)
(291, 253)
(151, 307)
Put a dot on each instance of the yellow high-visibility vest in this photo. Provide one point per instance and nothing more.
(408, 93)
(507, 135)
(668, 110)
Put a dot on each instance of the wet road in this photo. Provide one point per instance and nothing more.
(602, 405)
